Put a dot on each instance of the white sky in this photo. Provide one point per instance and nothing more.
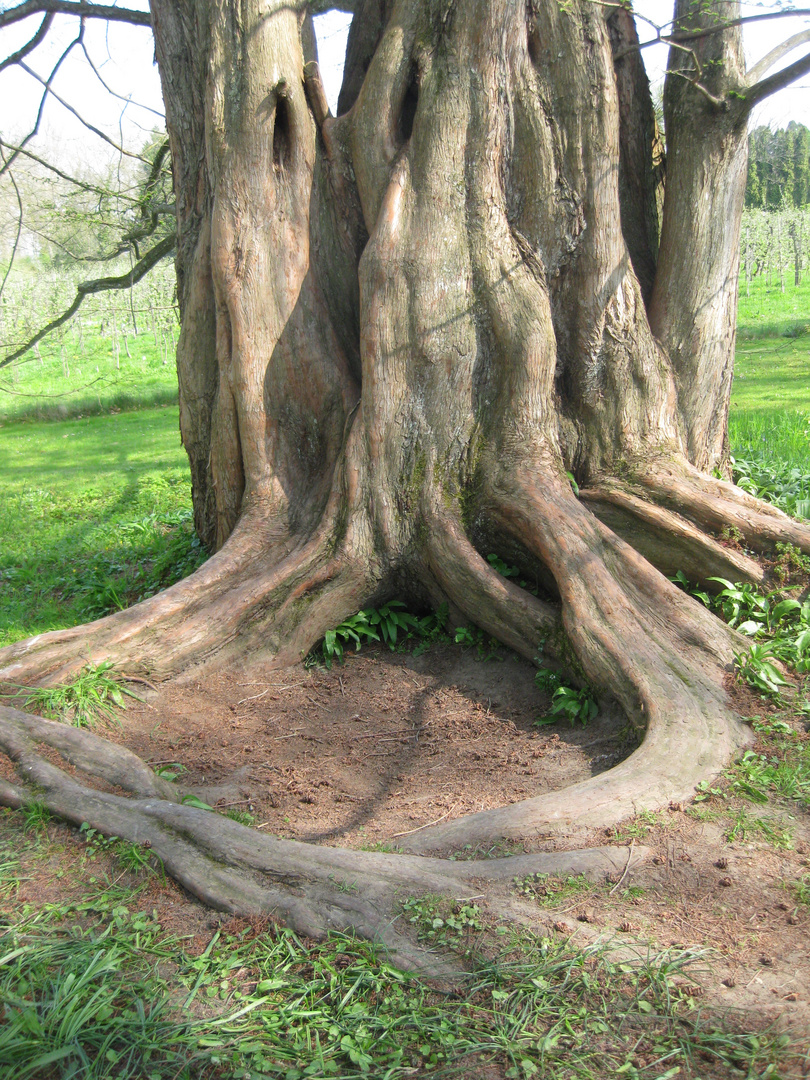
(124, 57)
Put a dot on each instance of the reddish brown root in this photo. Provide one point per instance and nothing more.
(489, 600)
(233, 606)
(660, 652)
(236, 869)
(666, 539)
(717, 505)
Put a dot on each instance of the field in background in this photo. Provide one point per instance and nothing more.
(95, 514)
(117, 352)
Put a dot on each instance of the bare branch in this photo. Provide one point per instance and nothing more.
(47, 84)
(754, 74)
(86, 288)
(79, 117)
(82, 184)
(74, 7)
(677, 37)
(725, 24)
(112, 92)
(29, 46)
(779, 81)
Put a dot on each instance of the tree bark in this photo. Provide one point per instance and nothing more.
(403, 327)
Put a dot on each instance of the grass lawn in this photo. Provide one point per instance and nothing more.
(95, 513)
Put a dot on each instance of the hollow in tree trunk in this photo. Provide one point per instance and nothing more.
(403, 330)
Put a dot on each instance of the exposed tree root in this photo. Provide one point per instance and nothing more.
(236, 869)
(666, 539)
(491, 601)
(659, 651)
(717, 505)
(232, 606)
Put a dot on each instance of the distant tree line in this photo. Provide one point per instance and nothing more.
(778, 168)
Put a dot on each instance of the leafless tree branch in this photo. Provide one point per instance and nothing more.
(765, 87)
(29, 46)
(754, 74)
(682, 37)
(47, 84)
(79, 117)
(112, 92)
(74, 7)
(81, 184)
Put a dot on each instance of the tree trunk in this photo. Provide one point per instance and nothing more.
(402, 329)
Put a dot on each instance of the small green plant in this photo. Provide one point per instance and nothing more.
(131, 857)
(442, 921)
(390, 624)
(546, 889)
(197, 803)
(742, 606)
(242, 816)
(170, 770)
(705, 791)
(744, 827)
(790, 562)
(802, 890)
(392, 619)
(94, 696)
(36, 817)
(356, 629)
(680, 578)
(507, 571)
(578, 706)
(756, 668)
(547, 680)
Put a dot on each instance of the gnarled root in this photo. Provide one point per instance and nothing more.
(234, 605)
(717, 505)
(661, 653)
(666, 539)
(236, 869)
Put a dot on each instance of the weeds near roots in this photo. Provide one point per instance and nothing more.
(93, 696)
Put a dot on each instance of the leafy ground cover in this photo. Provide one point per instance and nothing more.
(97, 984)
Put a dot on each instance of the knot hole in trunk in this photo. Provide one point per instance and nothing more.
(282, 128)
(407, 112)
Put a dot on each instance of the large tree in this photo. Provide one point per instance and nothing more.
(403, 328)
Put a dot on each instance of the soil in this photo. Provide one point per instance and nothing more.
(370, 750)
(387, 743)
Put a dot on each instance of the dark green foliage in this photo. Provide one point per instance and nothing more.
(778, 167)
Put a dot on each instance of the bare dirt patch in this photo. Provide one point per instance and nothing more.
(371, 749)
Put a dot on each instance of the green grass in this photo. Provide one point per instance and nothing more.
(767, 312)
(96, 362)
(94, 515)
(91, 697)
(770, 401)
(94, 987)
(96, 382)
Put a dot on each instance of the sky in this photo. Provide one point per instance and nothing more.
(123, 57)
